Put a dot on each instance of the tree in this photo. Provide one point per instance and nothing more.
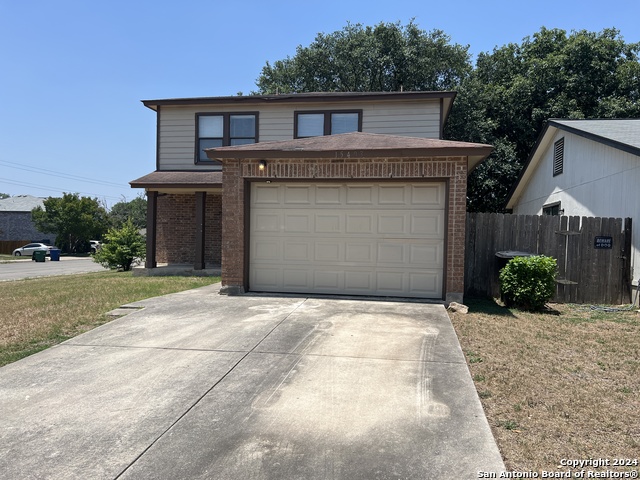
(513, 91)
(503, 101)
(75, 220)
(4, 195)
(135, 210)
(124, 246)
(387, 57)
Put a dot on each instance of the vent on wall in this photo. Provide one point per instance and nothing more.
(558, 157)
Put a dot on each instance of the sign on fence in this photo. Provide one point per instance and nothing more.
(593, 253)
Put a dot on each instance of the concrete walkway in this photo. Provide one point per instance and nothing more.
(198, 385)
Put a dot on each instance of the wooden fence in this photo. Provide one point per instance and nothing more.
(8, 246)
(593, 254)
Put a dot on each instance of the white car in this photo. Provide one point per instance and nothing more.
(28, 249)
(95, 245)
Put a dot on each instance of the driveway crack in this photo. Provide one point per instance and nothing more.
(165, 431)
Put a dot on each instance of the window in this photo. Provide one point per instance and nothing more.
(558, 157)
(552, 209)
(315, 124)
(224, 129)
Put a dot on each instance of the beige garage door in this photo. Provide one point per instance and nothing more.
(348, 238)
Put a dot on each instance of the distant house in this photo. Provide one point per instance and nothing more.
(338, 193)
(585, 168)
(15, 220)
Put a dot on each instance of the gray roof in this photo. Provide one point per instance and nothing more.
(21, 203)
(618, 133)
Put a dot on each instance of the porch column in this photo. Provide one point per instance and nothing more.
(201, 199)
(152, 210)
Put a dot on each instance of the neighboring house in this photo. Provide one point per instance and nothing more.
(335, 193)
(16, 223)
(585, 168)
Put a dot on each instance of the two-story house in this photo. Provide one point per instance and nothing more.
(332, 193)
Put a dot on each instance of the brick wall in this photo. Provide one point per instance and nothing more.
(176, 229)
(452, 169)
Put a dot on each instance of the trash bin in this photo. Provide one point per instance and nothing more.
(39, 256)
(502, 258)
(55, 254)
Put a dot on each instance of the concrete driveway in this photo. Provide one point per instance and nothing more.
(25, 268)
(202, 386)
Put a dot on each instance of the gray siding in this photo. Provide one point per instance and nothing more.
(18, 226)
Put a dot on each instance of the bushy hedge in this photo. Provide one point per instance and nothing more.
(528, 282)
(123, 248)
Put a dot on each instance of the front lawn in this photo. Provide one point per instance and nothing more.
(41, 312)
(563, 384)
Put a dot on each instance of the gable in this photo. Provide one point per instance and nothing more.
(615, 141)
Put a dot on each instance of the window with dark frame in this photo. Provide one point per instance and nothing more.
(553, 209)
(320, 123)
(558, 157)
(224, 129)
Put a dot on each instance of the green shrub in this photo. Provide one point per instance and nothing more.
(123, 247)
(528, 282)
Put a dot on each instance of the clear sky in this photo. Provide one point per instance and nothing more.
(73, 72)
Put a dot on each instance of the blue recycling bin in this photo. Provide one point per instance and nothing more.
(55, 254)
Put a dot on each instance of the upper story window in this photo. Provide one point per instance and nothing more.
(558, 157)
(224, 129)
(318, 123)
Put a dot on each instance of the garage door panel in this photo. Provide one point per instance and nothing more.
(392, 195)
(297, 223)
(297, 195)
(391, 253)
(427, 283)
(266, 222)
(328, 195)
(264, 194)
(390, 283)
(359, 195)
(359, 253)
(360, 223)
(432, 195)
(392, 224)
(296, 279)
(358, 282)
(364, 239)
(297, 251)
(327, 281)
(266, 278)
(267, 251)
(428, 255)
(328, 223)
(429, 224)
(328, 252)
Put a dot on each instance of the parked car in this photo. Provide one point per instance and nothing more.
(95, 245)
(28, 249)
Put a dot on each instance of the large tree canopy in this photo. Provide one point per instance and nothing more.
(504, 100)
(387, 57)
(75, 220)
(513, 91)
(135, 210)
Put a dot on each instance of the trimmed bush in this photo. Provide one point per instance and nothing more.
(124, 247)
(528, 282)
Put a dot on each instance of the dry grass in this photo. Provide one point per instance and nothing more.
(41, 312)
(564, 384)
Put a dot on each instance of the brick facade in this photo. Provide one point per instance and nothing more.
(176, 229)
(453, 170)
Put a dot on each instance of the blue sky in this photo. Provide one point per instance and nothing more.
(73, 72)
